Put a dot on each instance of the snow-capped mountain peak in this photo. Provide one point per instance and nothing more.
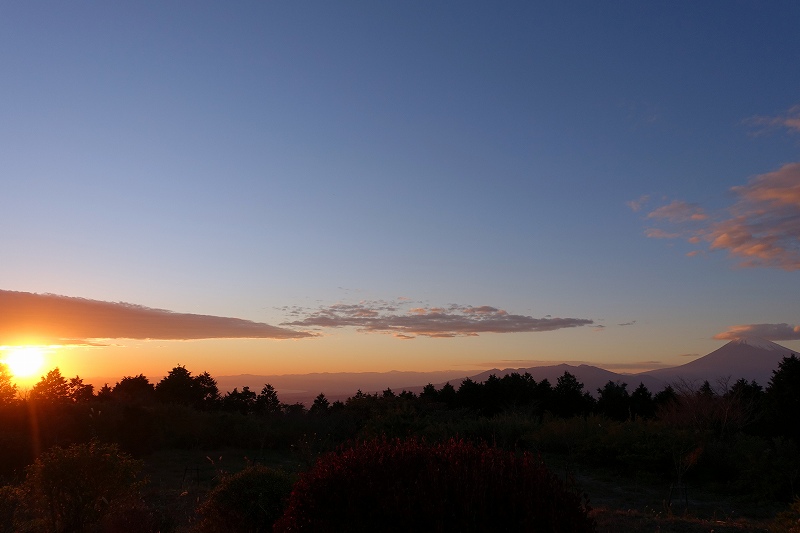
(756, 342)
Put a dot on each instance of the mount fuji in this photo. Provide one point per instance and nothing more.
(749, 358)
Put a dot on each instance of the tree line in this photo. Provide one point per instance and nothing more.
(728, 407)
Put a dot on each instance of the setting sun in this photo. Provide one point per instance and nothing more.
(24, 361)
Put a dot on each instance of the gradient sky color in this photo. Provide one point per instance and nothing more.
(407, 186)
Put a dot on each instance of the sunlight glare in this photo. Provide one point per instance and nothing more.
(24, 361)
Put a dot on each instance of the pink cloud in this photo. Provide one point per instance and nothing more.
(772, 332)
(761, 229)
(53, 319)
(678, 211)
(789, 120)
(636, 205)
(434, 322)
(657, 233)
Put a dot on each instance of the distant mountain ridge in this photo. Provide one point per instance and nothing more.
(748, 358)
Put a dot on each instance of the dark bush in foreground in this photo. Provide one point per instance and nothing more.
(412, 486)
(246, 502)
(72, 489)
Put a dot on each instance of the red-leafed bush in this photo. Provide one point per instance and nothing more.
(384, 485)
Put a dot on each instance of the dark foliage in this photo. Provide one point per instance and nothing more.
(180, 387)
(133, 389)
(246, 502)
(783, 397)
(243, 402)
(614, 401)
(70, 489)
(407, 485)
(8, 390)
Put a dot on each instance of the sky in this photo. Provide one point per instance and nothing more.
(291, 187)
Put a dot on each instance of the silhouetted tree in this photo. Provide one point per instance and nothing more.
(429, 393)
(492, 395)
(746, 401)
(296, 409)
(177, 387)
(642, 403)
(614, 401)
(8, 390)
(321, 405)
(706, 390)
(243, 402)
(447, 394)
(543, 395)
(783, 398)
(80, 392)
(388, 394)
(569, 398)
(751, 392)
(665, 397)
(135, 389)
(407, 395)
(105, 393)
(518, 390)
(207, 391)
(51, 388)
(267, 401)
(470, 394)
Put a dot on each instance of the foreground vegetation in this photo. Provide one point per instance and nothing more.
(685, 449)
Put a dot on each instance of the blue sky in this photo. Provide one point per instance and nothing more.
(242, 160)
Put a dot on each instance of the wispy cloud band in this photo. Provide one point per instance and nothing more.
(441, 322)
(761, 229)
(53, 319)
(790, 120)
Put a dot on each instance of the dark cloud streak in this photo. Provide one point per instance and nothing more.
(66, 320)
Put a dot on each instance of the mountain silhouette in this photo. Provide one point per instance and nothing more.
(749, 358)
(592, 377)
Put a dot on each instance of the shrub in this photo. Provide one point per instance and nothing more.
(788, 521)
(69, 489)
(248, 501)
(10, 498)
(384, 485)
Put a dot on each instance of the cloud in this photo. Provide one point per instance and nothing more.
(53, 319)
(789, 120)
(656, 233)
(631, 366)
(437, 322)
(761, 229)
(636, 205)
(679, 211)
(632, 322)
(771, 332)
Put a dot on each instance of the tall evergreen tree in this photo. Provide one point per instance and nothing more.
(783, 398)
